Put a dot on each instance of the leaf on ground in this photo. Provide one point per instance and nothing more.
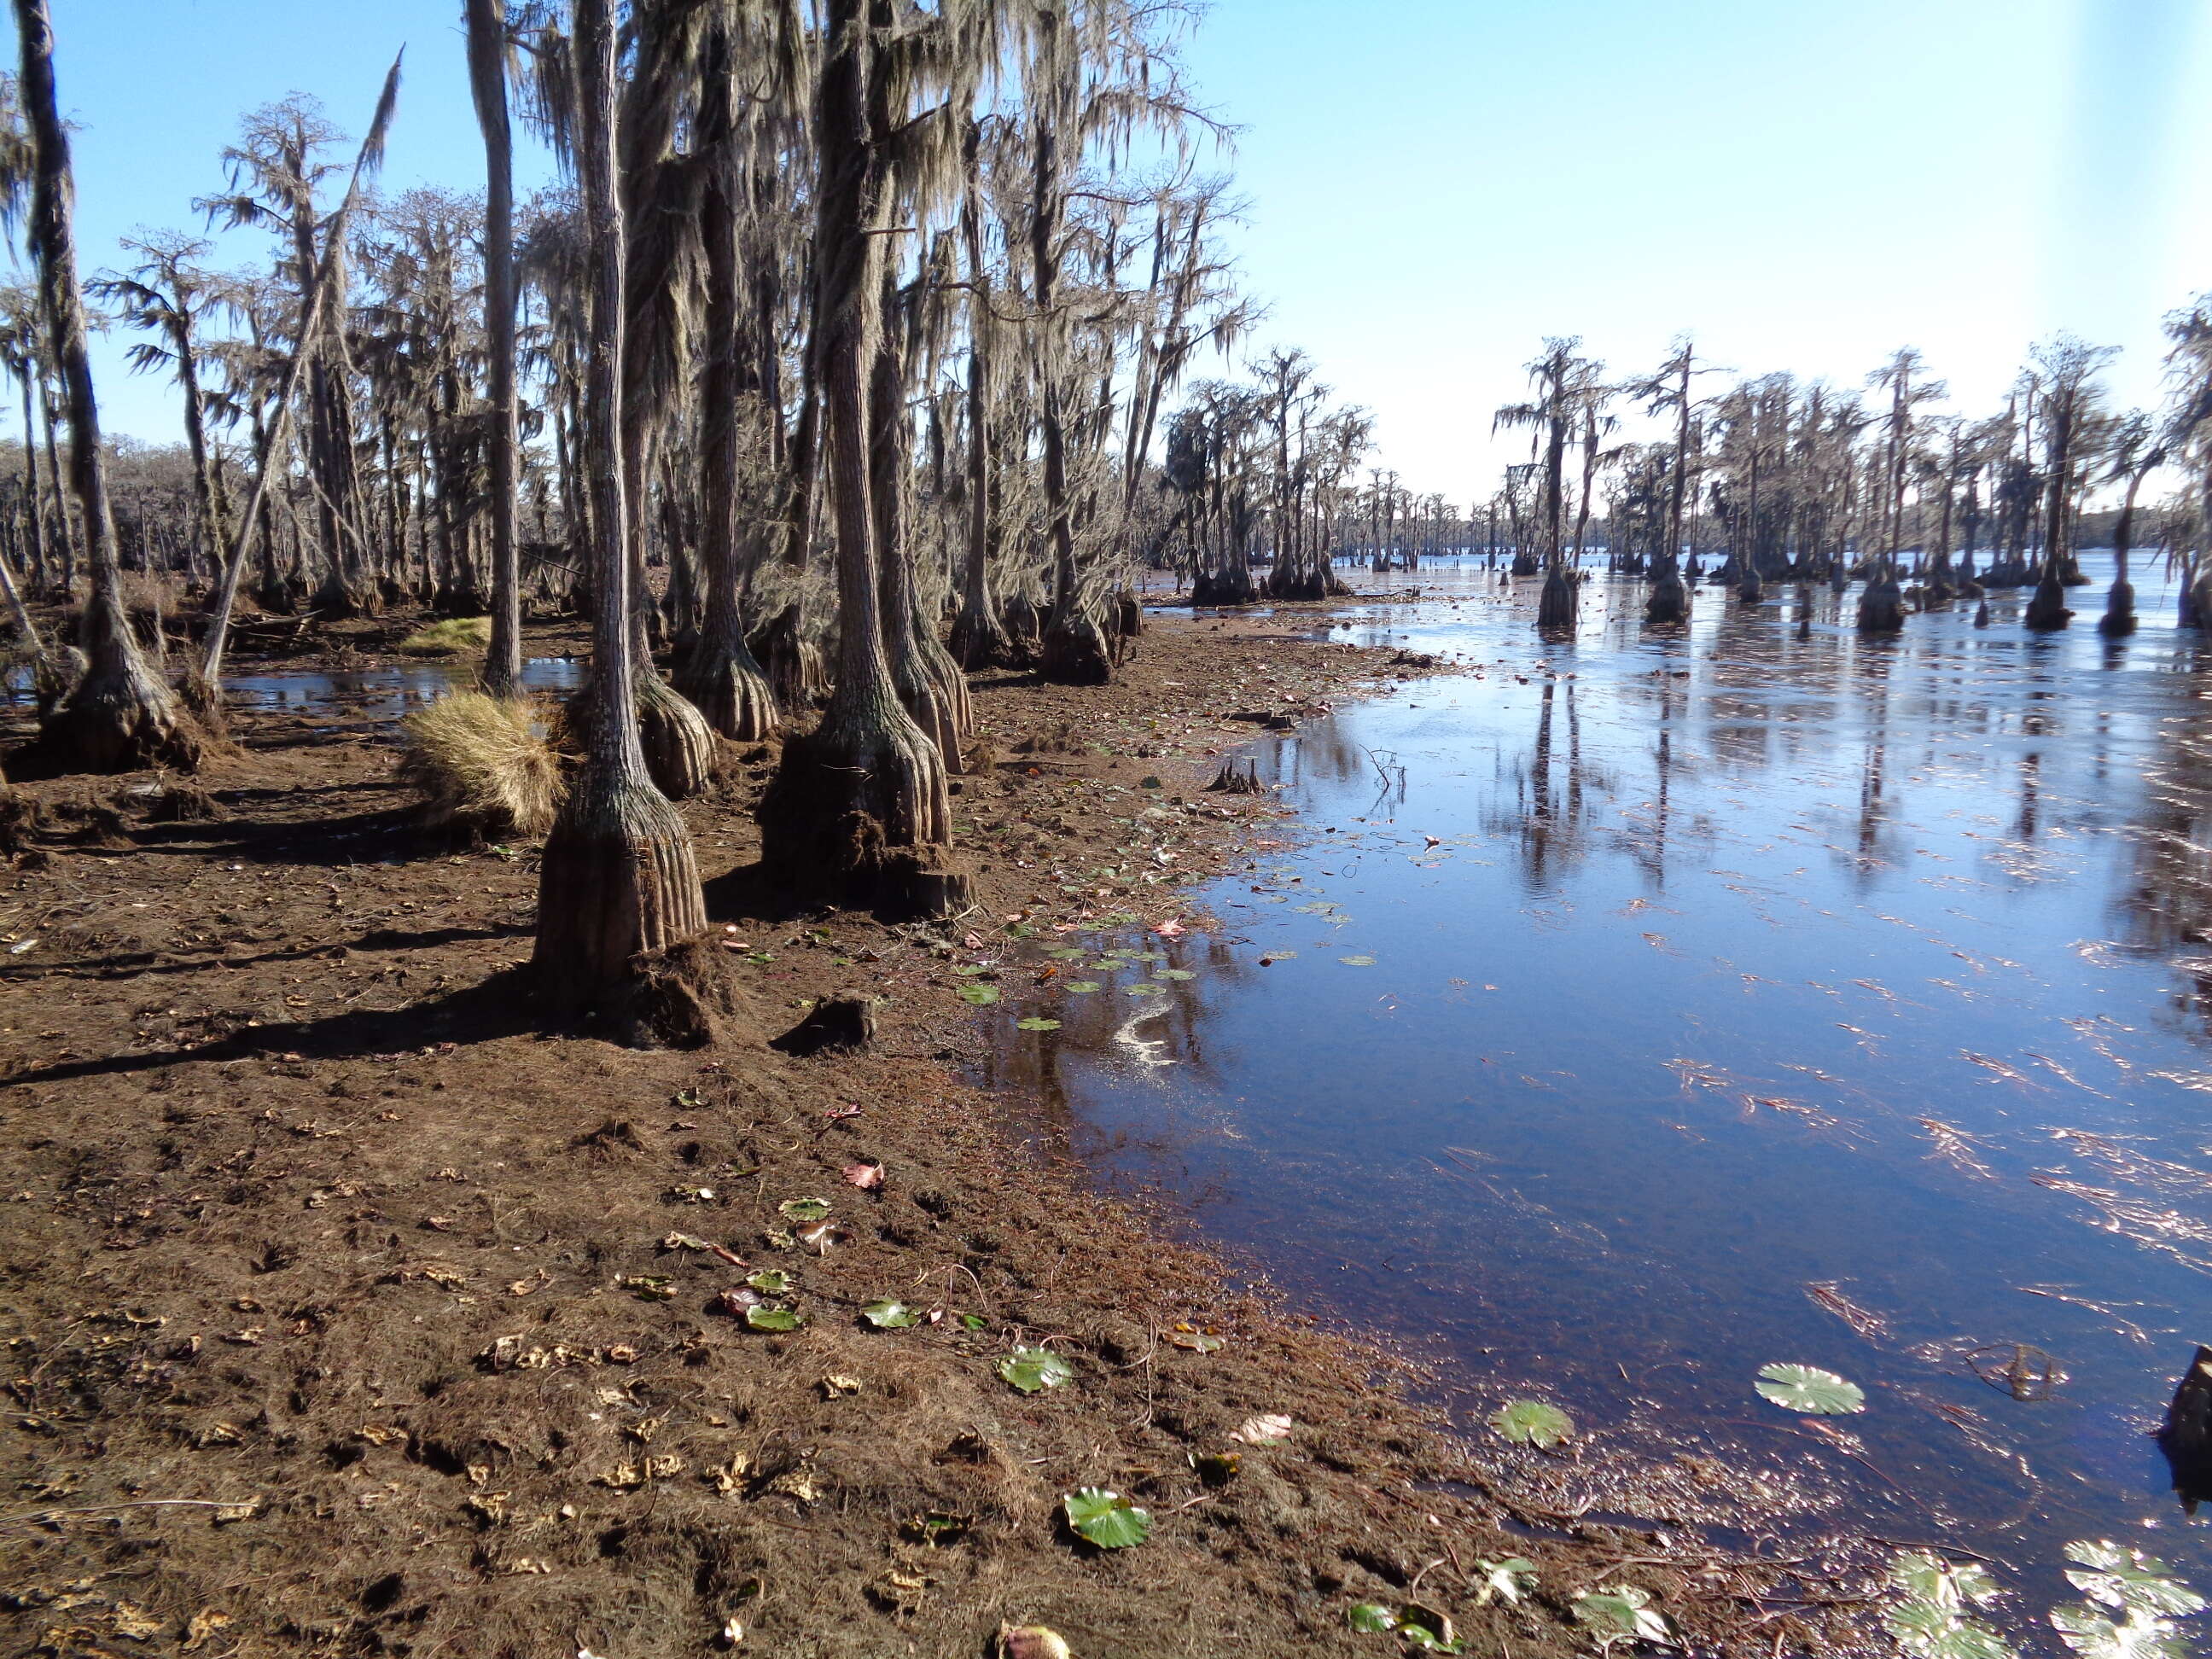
(1106, 1518)
(804, 1209)
(867, 1177)
(1263, 1431)
(1505, 1581)
(1032, 1370)
(890, 1316)
(1532, 1423)
(769, 1281)
(1371, 1617)
(1622, 1614)
(774, 1319)
(1807, 1388)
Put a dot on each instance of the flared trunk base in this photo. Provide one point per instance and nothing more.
(860, 820)
(1074, 651)
(1882, 607)
(617, 886)
(2047, 611)
(1557, 606)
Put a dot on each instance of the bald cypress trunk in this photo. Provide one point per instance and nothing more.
(122, 715)
(722, 675)
(486, 27)
(858, 810)
(618, 881)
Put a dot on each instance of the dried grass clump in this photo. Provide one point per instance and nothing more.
(450, 636)
(481, 765)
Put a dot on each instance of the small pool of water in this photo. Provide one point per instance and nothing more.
(1619, 1017)
(387, 693)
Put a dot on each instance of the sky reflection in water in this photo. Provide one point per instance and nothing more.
(1832, 1001)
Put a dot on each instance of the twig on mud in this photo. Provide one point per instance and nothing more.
(139, 1504)
(1414, 1588)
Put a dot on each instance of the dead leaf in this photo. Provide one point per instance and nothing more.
(202, 1625)
(134, 1623)
(867, 1177)
(1264, 1430)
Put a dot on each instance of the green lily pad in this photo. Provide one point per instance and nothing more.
(769, 1281)
(774, 1319)
(1036, 1022)
(979, 995)
(804, 1209)
(889, 1315)
(1082, 988)
(1032, 1370)
(1532, 1423)
(2121, 1577)
(1357, 962)
(1145, 988)
(1926, 1630)
(2139, 1636)
(1106, 1518)
(1809, 1389)
(1173, 973)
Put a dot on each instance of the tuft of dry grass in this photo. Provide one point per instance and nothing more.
(451, 636)
(481, 764)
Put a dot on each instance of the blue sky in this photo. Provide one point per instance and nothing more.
(1436, 184)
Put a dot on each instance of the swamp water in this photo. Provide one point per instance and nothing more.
(1618, 1017)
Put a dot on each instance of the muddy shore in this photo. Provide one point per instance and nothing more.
(351, 1311)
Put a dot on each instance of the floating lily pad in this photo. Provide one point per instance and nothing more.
(1532, 1423)
(1145, 988)
(1032, 1370)
(2121, 1577)
(1173, 973)
(805, 1209)
(1036, 1022)
(1082, 988)
(1106, 1518)
(1926, 1630)
(888, 1316)
(979, 996)
(2090, 1633)
(1357, 962)
(1807, 1388)
(774, 1319)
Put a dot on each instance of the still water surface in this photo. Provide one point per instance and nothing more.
(1617, 1018)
